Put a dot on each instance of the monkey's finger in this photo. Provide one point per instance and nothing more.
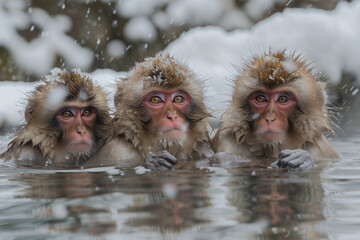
(275, 164)
(306, 165)
(166, 155)
(295, 159)
(172, 160)
(281, 163)
(293, 154)
(165, 163)
(287, 152)
(290, 158)
(295, 163)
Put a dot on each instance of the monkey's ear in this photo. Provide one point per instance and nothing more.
(29, 111)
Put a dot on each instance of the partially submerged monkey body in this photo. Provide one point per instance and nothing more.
(159, 106)
(161, 117)
(66, 121)
(277, 104)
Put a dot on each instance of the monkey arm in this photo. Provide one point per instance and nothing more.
(294, 159)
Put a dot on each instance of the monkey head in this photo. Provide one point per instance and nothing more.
(275, 96)
(65, 115)
(161, 100)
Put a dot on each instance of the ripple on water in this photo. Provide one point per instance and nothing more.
(238, 201)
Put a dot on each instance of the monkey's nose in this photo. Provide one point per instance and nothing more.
(270, 117)
(171, 114)
(81, 129)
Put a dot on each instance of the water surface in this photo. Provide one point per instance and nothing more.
(239, 202)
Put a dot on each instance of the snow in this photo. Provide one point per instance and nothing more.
(185, 12)
(44, 49)
(195, 12)
(235, 19)
(106, 78)
(140, 28)
(329, 39)
(257, 8)
(161, 20)
(57, 95)
(130, 8)
(289, 65)
(12, 99)
(116, 48)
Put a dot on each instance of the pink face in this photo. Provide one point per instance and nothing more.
(77, 122)
(271, 109)
(167, 107)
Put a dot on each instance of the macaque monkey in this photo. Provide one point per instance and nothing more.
(66, 119)
(277, 110)
(160, 117)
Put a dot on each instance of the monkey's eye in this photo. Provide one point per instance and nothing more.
(155, 100)
(179, 99)
(67, 114)
(260, 98)
(87, 112)
(283, 99)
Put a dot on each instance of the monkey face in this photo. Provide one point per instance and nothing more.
(77, 121)
(167, 108)
(271, 110)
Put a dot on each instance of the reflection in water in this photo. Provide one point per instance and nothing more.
(168, 200)
(244, 201)
(74, 216)
(289, 201)
(172, 212)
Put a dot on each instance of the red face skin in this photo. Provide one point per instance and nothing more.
(77, 121)
(271, 109)
(167, 108)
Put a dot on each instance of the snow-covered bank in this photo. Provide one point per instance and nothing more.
(330, 38)
(13, 100)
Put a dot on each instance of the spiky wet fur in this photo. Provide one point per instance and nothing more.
(308, 122)
(131, 120)
(41, 132)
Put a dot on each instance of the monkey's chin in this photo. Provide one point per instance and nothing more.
(174, 134)
(80, 147)
(270, 137)
(79, 152)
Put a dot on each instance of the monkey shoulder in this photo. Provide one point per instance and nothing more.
(24, 155)
(321, 148)
(205, 148)
(118, 152)
(226, 142)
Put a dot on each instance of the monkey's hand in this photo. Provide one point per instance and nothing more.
(160, 160)
(294, 159)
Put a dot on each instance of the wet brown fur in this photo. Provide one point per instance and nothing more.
(308, 122)
(131, 120)
(41, 131)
